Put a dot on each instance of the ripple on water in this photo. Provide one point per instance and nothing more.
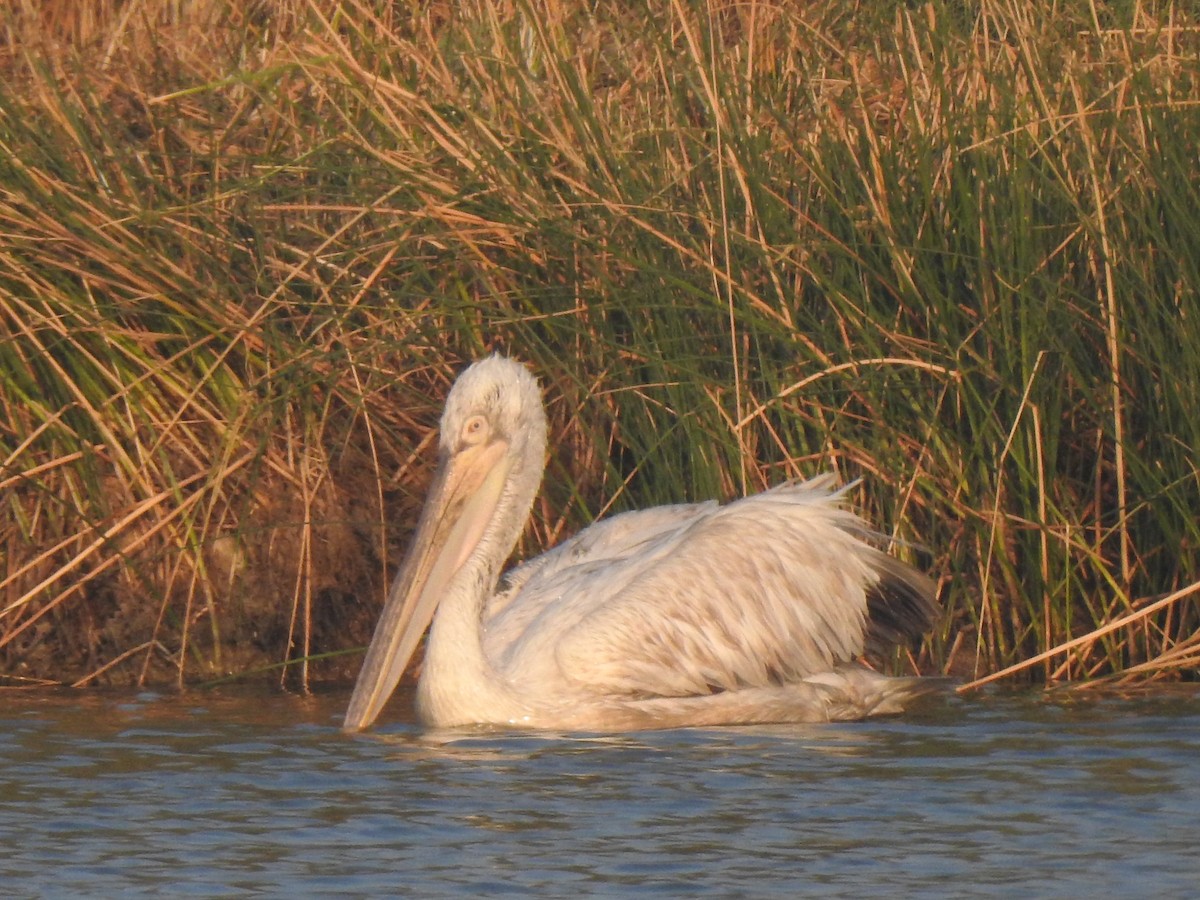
(217, 795)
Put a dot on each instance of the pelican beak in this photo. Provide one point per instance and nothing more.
(462, 500)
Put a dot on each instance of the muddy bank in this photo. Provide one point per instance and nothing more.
(294, 577)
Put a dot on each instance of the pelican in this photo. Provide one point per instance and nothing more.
(698, 614)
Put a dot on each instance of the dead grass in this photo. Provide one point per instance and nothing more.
(246, 246)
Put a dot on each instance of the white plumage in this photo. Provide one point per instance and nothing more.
(696, 614)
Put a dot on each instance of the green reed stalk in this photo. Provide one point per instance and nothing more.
(952, 252)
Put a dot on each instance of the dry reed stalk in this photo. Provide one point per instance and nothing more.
(736, 241)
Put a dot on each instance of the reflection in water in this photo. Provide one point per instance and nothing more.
(217, 794)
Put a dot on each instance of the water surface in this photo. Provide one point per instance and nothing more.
(220, 794)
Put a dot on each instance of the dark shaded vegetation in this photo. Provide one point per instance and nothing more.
(244, 248)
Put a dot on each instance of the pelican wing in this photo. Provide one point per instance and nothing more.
(644, 534)
(689, 600)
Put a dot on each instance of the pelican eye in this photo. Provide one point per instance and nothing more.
(475, 430)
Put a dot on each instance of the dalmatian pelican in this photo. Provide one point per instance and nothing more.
(698, 614)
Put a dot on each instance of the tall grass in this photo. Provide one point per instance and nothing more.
(952, 250)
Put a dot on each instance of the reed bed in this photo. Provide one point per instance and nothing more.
(951, 250)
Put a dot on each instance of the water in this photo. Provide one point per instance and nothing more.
(226, 794)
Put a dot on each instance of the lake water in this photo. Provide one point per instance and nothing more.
(223, 794)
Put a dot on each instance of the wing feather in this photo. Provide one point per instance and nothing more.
(585, 570)
(687, 600)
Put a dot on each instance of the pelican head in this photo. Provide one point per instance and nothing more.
(491, 454)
